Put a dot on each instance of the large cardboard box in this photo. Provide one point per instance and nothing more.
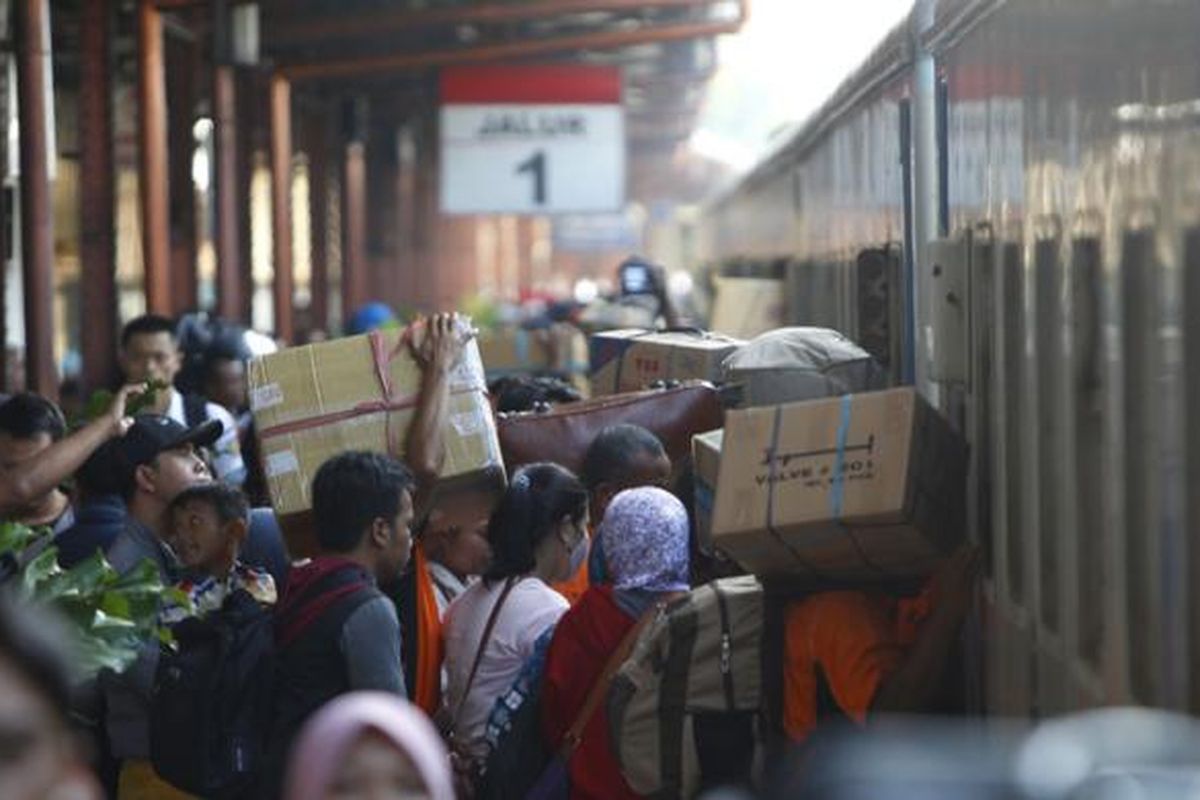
(516, 351)
(706, 470)
(748, 307)
(864, 487)
(632, 359)
(359, 393)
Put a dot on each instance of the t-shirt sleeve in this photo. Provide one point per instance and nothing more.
(370, 643)
(855, 645)
(227, 452)
(540, 609)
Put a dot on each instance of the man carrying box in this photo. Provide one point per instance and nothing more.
(854, 654)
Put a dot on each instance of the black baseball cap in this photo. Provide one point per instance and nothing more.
(150, 435)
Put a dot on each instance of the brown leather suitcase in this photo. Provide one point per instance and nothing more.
(564, 434)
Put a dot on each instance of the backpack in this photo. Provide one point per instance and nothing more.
(517, 753)
(687, 709)
(212, 700)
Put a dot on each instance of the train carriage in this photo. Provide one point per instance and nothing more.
(1003, 205)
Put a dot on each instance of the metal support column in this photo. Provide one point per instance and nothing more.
(281, 203)
(97, 246)
(37, 223)
(317, 147)
(228, 252)
(354, 212)
(152, 129)
(182, 58)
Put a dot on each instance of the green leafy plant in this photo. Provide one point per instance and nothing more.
(109, 616)
(102, 399)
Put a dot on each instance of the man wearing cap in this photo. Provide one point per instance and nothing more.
(150, 466)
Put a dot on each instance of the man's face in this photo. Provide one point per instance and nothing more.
(644, 470)
(14, 452)
(175, 470)
(226, 384)
(200, 540)
(150, 357)
(400, 546)
(458, 532)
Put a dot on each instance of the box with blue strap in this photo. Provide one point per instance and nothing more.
(866, 487)
(631, 359)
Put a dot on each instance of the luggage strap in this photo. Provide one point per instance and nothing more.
(483, 643)
(574, 735)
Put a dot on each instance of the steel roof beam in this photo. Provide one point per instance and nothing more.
(601, 40)
(283, 32)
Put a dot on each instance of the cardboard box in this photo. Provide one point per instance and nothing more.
(632, 359)
(311, 403)
(747, 307)
(864, 487)
(706, 469)
(516, 351)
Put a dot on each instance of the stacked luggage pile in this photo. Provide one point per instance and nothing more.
(807, 472)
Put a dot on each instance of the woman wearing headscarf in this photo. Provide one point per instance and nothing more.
(644, 537)
(369, 746)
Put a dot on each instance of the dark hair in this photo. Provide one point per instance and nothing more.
(538, 497)
(524, 393)
(147, 324)
(225, 346)
(34, 644)
(350, 491)
(25, 415)
(613, 452)
(228, 501)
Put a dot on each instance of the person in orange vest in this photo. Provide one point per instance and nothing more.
(855, 654)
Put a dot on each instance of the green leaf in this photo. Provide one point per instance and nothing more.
(15, 537)
(39, 571)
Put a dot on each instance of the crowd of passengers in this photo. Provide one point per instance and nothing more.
(372, 699)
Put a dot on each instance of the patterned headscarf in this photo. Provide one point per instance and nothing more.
(644, 536)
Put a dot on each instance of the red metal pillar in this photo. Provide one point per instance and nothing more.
(152, 119)
(37, 224)
(354, 213)
(182, 60)
(317, 145)
(281, 203)
(97, 246)
(228, 250)
(248, 101)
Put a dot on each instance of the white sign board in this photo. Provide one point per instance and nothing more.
(532, 159)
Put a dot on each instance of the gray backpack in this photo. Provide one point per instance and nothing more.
(686, 709)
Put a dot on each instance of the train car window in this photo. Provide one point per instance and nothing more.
(1048, 318)
(1191, 347)
(983, 316)
(1138, 279)
(876, 270)
(1090, 452)
(1013, 382)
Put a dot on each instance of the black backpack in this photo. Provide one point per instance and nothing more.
(212, 700)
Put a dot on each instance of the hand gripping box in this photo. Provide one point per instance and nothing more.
(866, 487)
(632, 359)
(359, 393)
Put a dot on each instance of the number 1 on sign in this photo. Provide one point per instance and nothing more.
(536, 166)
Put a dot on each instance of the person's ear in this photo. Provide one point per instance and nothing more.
(380, 533)
(144, 478)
